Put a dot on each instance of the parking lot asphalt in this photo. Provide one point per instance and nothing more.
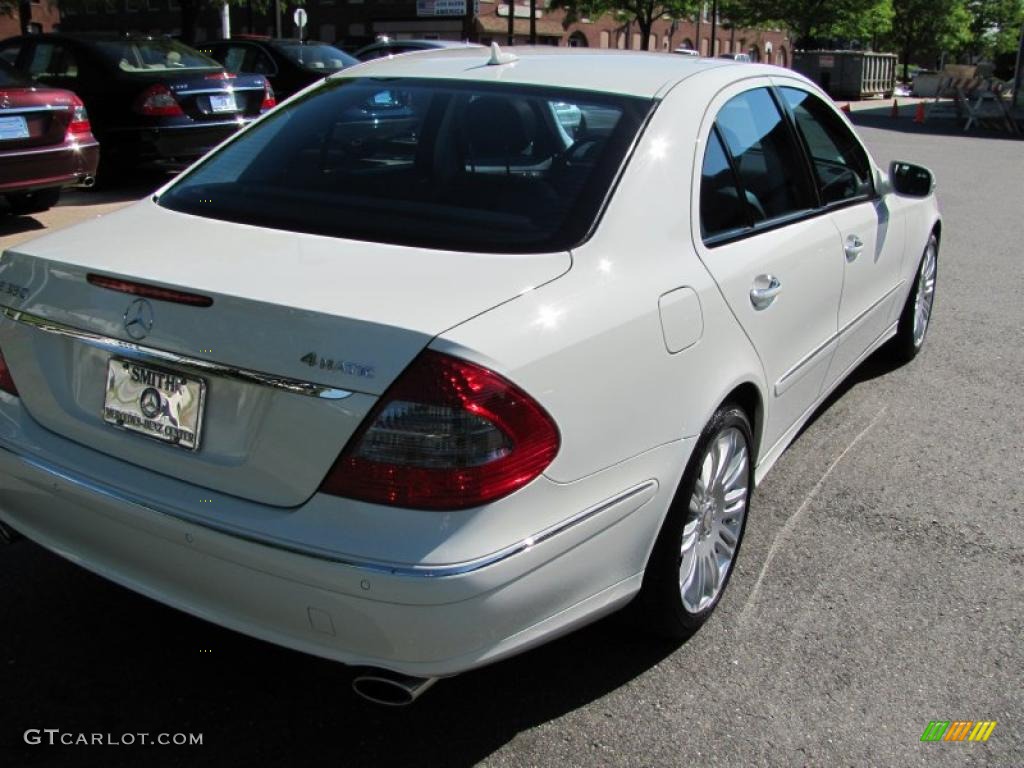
(880, 587)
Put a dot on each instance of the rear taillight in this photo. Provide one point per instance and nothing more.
(447, 435)
(79, 124)
(158, 101)
(6, 382)
(269, 100)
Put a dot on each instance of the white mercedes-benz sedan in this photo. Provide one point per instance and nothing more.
(455, 352)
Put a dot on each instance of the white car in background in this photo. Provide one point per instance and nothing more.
(450, 355)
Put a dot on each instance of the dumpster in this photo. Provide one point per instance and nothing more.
(849, 75)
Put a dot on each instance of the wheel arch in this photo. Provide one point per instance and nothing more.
(748, 397)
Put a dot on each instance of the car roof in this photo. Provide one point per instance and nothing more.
(612, 71)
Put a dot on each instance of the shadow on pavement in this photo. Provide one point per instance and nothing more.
(880, 117)
(13, 225)
(120, 189)
(114, 662)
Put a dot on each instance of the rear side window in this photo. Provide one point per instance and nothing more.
(721, 209)
(316, 56)
(770, 167)
(488, 167)
(841, 166)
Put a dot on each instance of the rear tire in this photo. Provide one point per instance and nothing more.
(700, 539)
(917, 312)
(37, 201)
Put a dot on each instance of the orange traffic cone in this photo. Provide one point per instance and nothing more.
(895, 109)
(920, 116)
(846, 107)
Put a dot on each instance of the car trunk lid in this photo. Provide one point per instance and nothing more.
(303, 334)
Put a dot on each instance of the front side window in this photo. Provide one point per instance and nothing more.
(487, 167)
(49, 60)
(768, 161)
(841, 166)
(232, 57)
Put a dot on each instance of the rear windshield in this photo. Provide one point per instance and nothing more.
(488, 167)
(155, 55)
(318, 57)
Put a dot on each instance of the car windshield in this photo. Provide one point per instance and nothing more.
(316, 56)
(485, 167)
(10, 77)
(155, 55)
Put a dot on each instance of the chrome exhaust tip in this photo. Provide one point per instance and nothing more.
(8, 535)
(390, 689)
(87, 182)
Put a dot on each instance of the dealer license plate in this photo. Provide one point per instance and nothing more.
(164, 405)
(224, 103)
(13, 127)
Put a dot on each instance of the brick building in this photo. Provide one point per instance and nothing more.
(355, 22)
(39, 16)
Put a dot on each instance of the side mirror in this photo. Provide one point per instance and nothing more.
(911, 180)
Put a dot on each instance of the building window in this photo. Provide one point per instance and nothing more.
(652, 43)
(606, 39)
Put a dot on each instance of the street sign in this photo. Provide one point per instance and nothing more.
(300, 17)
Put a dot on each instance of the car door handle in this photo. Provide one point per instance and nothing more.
(854, 246)
(766, 288)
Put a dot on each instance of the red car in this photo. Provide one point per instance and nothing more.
(46, 143)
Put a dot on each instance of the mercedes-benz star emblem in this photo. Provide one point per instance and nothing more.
(138, 319)
(151, 403)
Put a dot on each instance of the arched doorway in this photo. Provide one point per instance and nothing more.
(578, 40)
(755, 53)
(781, 58)
(687, 43)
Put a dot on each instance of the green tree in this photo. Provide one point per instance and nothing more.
(920, 25)
(803, 18)
(995, 25)
(643, 12)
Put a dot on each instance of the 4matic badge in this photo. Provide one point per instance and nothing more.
(313, 360)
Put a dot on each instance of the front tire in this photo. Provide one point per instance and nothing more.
(696, 550)
(917, 312)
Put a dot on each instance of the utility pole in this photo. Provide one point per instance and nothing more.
(277, 19)
(714, 25)
(511, 22)
(533, 22)
(700, 15)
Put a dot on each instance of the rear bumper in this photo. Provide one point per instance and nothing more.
(46, 167)
(433, 622)
(167, 146)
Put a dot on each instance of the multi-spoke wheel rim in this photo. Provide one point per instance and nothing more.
(715, 519)
(925, 296)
